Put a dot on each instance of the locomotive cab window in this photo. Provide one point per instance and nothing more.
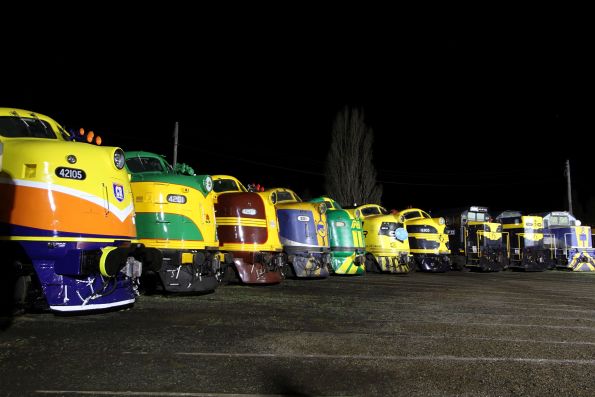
(225, 185)
(478, 216)
(23, 127)
(370, 211)
(425, 215)
(286, 197)
(412, 215)
(559, 221)
(144, 164)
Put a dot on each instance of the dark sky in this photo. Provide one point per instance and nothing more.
(459, 117)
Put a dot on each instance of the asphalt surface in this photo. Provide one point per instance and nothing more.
(454, 334)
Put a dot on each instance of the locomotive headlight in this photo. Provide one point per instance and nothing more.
(322, 208)
(208, 183)
(119, 159)
(441, 221)
(71, 158)
(358, 214)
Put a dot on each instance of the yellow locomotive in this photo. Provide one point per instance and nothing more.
(527, 250)
(176, 214)
(67, 230)
(386, 240)
(476, 241)
(428, 241)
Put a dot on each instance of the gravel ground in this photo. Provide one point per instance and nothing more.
(454, 334)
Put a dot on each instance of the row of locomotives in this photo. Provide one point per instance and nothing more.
(428, 241)
(248, 229)
(386, 240)
(346, 239)
(570, 243)
(476, 241)
(303, 234)
(175, 214)
(526, 248)
(67, 230)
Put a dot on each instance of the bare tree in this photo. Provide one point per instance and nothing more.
(350, 174)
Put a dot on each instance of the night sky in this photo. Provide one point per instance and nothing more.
(459, 118)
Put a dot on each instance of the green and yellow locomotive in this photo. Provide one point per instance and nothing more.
(386, 240)
(526, 248)
(247, 227)
(303, 233)
(346, 239)
(427, 240)
(476, 242)
(67, 232)
(176, 214)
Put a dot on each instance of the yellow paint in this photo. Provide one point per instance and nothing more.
(187, 258)
(198, 209)
(105, 251)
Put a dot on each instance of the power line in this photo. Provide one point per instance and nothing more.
(453, 184)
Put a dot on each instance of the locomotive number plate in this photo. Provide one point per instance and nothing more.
(70, 173)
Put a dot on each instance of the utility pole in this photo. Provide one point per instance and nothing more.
(569, 187)
(176, 144)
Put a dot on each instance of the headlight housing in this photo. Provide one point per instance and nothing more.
(207, 183)
(322, 208)
(441, 220)
(119, 158)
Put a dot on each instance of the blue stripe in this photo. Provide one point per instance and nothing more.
(16, 230)
(291, 228)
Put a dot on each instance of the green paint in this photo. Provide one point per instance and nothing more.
(166, 175)
(166, 226)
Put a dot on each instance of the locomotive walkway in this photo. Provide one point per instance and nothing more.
(459, 333)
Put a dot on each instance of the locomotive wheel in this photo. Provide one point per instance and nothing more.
(458, 263)
(20, 291)
(484, 264)
(371, 264)
(287, 270)
(150, 283)
(230, 274)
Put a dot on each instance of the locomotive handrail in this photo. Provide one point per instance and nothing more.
(552, 245)
(106, 198)
(480, 233)
(569, 246)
